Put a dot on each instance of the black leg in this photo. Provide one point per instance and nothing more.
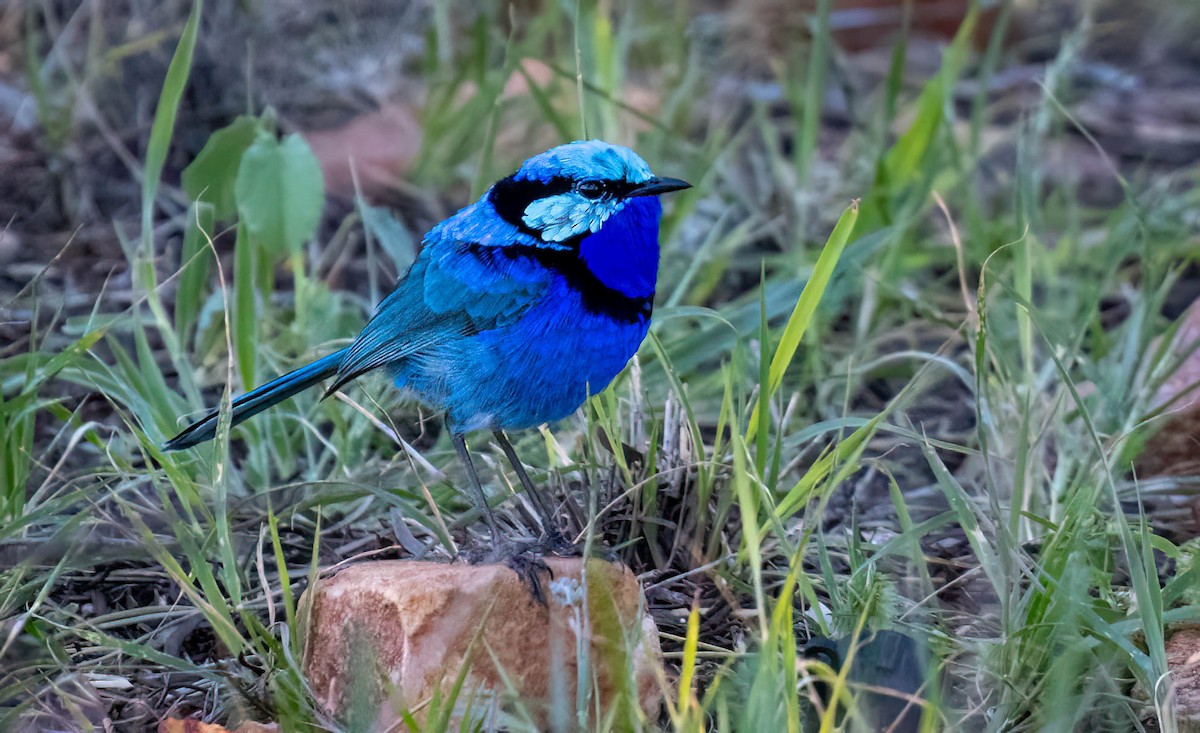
(460, 445)
(539, 501)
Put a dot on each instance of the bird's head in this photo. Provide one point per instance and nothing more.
(571, 190)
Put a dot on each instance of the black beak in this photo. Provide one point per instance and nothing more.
(655, 186)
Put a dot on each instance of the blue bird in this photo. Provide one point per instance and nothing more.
(518, 307)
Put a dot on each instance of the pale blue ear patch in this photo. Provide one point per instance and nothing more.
(568, 215)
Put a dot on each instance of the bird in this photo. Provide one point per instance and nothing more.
(518, 308)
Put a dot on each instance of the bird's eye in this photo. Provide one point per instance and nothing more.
(590, 189)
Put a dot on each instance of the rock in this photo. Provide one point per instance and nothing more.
(189, 725)
(387, 637)
(1171, 446)
(1172, 451)
(1183, 659)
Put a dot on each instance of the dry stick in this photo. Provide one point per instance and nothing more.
(261, 567)
(960, 257)
(34, 280)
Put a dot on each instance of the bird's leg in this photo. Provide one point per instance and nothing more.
(526, 564)
(460, 445)
(555, 539)
(543, 508)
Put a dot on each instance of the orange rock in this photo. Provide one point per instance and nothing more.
(1175, 448)
(1183, 659)
(388, 637)
(770, 29)
(861, 24)
(539, 71)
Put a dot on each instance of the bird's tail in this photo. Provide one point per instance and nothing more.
(259, 399)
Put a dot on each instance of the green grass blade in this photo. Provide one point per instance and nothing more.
(806, 307)
(245, 306)
(814, 89)
(160, 136)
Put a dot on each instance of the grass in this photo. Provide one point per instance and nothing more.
(769, 398)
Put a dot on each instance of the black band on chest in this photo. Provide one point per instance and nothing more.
(597, 297)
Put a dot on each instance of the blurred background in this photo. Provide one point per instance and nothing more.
(412, 91)
(1014, 306)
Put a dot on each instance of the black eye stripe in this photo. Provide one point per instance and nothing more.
(510, 197)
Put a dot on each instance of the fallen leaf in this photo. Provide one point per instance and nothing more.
(191, 725)
(379, 146)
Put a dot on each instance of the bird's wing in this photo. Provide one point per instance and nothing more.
(452, 290)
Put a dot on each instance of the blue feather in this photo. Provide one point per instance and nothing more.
(259, 399)
(519, 306)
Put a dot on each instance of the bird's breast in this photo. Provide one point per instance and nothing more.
(623, 254)
(537, 369)
(543, 367)
(613, 271)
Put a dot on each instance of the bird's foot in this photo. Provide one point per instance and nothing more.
(523, 558)
(529, 568)
(556, 543)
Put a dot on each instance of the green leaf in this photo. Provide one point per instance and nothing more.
(157, 148)
(907, 162)
(903, 160)
(841, 461)
(280, 192)
(211, 176)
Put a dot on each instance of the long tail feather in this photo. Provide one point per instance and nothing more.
(259, 399)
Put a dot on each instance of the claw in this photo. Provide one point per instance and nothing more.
(522, 559)
(525, 558)
(529, 568)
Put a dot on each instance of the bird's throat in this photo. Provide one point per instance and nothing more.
(623, 255)
(614, 270)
